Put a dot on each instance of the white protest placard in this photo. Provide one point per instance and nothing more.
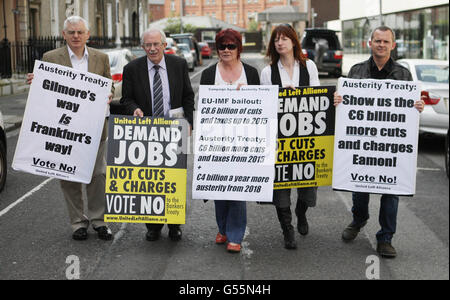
(376, 136)
(235, 141)
(62, 123)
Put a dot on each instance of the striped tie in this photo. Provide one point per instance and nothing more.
(158, 103)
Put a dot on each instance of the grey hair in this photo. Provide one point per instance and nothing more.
(383, 28)
(161, 32)
(75, 20)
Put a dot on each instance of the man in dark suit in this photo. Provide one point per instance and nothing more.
(155, 85)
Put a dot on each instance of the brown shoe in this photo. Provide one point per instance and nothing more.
(351, 231)
(386, 250)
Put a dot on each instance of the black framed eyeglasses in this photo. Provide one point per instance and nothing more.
(227, 46)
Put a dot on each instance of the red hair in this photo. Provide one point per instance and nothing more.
(289, 32)
(229, 35)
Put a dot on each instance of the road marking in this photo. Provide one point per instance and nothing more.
(120, 233)
(21, 199)
(210, 63)
(245, 250)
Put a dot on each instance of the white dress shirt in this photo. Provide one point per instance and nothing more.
(266, 74)
(79, 64)
(219, 80)
(164, 81)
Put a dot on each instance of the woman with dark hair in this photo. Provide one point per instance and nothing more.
(231, 216)
(290, 68)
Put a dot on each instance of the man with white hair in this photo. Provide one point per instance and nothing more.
(152, 86)
(80, 57)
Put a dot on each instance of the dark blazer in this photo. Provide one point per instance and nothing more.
(209, 75)
(136, 86)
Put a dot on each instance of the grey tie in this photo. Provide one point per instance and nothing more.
(158, 103)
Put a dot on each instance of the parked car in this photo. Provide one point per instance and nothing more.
(118, 58)
(3, 166)
(138, 51)
(188, 38)
(171, 47)
(186, 52)
(205, 50)
(323, 47)
(433, 74)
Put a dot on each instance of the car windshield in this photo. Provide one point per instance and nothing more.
(432, 73)
(311, 38)
(184, 48)
(184, 40)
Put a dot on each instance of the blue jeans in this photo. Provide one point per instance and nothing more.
(231, 217)
(387, 216)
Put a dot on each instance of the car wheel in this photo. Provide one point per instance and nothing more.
(3, 166)
(447, 153)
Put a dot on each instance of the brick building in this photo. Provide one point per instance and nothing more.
(23, 19)
(237, 12)
(156, 10)
(325, 11)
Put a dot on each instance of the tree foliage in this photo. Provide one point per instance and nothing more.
(174, 26)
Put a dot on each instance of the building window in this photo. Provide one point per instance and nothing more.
(420, 33)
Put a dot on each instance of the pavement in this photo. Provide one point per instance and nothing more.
(12, 86)
(12, 122)
(422, 239)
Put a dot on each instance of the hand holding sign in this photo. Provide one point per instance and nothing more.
(64, 145)
(376, 136)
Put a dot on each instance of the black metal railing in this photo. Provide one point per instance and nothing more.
(5, 59)
(128, 42)
(23, 54)
(19, 57)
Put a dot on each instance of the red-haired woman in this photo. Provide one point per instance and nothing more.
(231, 216)
(290, 68)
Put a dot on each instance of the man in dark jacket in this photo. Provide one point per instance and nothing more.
(379, 66)
(158, 85)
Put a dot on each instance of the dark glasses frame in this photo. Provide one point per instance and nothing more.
(227, 46)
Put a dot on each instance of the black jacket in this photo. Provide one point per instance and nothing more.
(136, 86)
(362, 71)
(209, 75)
